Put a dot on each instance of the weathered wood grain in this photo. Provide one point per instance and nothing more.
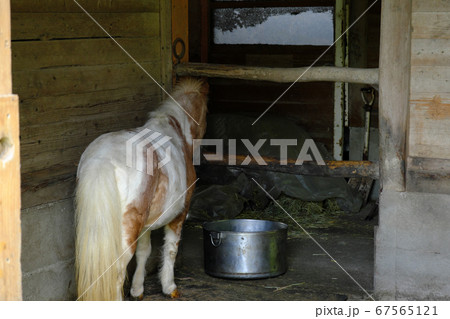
(429, 126)
(430, 79)
(51, 109)
(60, 6)
(430, 52)
(430, 5)
(5, 49)
(166, 44)
(35, 55)
(82, 79)
(10, 234)
(428, 175)
(81, 133)
(431, 25)
(395, 57)
(47, 26)
(280, 75)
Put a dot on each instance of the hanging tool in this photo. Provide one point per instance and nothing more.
(368, 97)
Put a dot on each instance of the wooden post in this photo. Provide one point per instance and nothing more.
(395, 56)
(330, 169)
(165, 11)
(180, 27)
(10, 236)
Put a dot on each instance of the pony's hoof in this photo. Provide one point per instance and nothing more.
(138, 298)
(175, 294)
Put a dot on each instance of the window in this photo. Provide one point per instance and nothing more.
(274, 25)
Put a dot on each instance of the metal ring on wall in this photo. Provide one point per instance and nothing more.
(174, 49)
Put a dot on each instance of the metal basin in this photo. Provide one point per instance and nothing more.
(244, 248)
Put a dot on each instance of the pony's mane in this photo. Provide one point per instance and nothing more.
(188, 85)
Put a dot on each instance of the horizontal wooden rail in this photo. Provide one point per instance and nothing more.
(280, 75)
(331, 169)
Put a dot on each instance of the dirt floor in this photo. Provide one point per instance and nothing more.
(311, 275)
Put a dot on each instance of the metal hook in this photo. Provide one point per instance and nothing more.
(174, 49)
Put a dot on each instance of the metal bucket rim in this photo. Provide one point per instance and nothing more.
(281, 226)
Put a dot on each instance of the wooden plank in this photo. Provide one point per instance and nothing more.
(35, 55)
(32, 142)
(49, 191)
(429, 127)
(45, 110)
(331, 169)
(428, 175)
(430, 52)
(47, 26)
(395, 56)
(180, 27)
(430, 5)
(118, 6)
(10, 234)
(5, 49)
(280, 75)
(430, 79)
(57, 138)
(61, 81)
(431, 25)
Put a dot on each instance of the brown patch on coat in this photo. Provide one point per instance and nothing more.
(158, 200)
(177, 223)
(137, 213)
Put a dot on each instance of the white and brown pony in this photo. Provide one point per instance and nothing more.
(117, 204)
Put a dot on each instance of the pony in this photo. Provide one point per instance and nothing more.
(118, 204)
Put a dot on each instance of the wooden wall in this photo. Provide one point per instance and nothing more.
(75, 83)
(428, 163)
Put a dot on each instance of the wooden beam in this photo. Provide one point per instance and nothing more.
(180, 27)
(280, 75)
(331, 169)
(395, 57)
(10, 235)
(5, 49)
(166, 45)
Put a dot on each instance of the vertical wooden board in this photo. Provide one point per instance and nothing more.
(10, 235)
(166, 44)
(5, 48)
(180, 26)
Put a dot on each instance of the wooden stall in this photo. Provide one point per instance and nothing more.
(75, 83)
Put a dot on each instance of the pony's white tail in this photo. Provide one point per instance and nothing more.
(99, 238)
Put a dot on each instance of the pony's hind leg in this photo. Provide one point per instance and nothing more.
(143, 251)
(166, 274)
